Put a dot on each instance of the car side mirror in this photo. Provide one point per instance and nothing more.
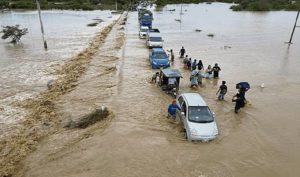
(213, 113)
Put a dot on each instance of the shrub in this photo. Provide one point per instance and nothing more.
(13, 32)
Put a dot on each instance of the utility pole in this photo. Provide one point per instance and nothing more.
(290, 42)
(116, 5)
(41, 22)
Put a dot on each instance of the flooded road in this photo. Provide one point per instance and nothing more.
(262, 140)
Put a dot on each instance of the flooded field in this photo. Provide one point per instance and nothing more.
(138, 139)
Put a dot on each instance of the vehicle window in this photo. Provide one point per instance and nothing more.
(183, 108)
(146, 19)
(180, 100)
(143, 30)
(200, 114)
(155, 39)
(160, 55)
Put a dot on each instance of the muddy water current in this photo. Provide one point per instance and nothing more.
(261, 140)
(26, 68)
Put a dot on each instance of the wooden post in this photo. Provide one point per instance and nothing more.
(290, 42)
(41, 22)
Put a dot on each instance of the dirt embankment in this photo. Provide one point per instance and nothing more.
(43, 118)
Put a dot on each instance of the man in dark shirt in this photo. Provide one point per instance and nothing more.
(216, 70)
(182, 52)
(239, 102)
(222, 91)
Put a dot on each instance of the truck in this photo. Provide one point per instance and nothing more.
(145, 17)
(146, 20)
(144, 11)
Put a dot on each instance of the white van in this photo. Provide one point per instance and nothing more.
(198, 120)
(154, 40)
(143, 31)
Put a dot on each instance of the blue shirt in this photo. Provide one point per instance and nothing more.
(172, 109)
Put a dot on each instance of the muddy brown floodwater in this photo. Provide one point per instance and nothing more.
(138, 139)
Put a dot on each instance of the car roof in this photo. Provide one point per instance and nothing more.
(158, 49)
(144, 27)
(154, 30)
(169, 72)
(194, 99)
(154, 34)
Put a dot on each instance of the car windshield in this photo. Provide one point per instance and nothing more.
(146, 19)
(160, 55)
(200, 114)
(143, 30)
(155, 39)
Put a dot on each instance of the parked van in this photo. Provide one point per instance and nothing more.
(154, 40)
(198, 120)
(143, 32)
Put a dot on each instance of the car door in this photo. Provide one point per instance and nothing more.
(183, 109)
(179, 103)
(185, 116)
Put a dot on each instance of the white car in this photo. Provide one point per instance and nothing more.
(198, 120)
(154, 40)
(143, 32)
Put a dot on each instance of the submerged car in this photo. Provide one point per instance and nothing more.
(198, 120)
(159, 58)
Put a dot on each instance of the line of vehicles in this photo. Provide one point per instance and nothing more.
(197, 118)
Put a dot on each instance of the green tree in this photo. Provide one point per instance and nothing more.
(4, 4)
(13, 32)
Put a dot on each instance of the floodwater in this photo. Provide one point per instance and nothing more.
(26, 68)
(262, 140)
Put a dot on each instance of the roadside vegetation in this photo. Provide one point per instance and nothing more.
(266, 5)
(249, 5)
(67, 4)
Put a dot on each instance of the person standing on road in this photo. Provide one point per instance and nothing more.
(182, 52)
(216, 70)
(172, 109)
(194, 65)
(189, 63)
(200, 65)
(154, 77)
(222, 91)
(239, 102)
(185, 61)
(172, 55)
(208, 72)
